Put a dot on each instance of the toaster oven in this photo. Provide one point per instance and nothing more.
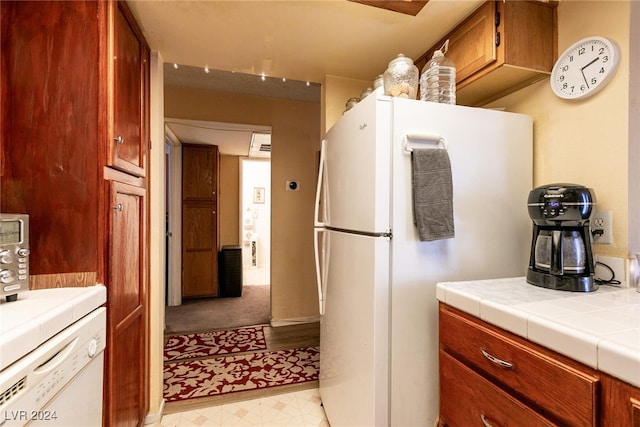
(14, 255)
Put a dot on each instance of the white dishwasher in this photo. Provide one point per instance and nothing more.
(52, 345)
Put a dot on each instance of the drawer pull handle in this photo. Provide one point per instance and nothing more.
(485, 422)
(496, 360)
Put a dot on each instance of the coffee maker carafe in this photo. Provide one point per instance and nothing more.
(562, 247)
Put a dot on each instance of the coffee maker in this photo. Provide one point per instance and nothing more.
(562, 247)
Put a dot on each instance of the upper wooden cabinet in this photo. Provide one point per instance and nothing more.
(128, 107)
(500, 48)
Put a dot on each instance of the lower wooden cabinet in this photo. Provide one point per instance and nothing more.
(563, 390)
(620, 403)
(126, 352)
(489, 376)
(469, 399)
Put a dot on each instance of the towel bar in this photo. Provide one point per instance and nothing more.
(429, 138)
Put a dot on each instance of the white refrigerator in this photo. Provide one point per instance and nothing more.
(376, 280)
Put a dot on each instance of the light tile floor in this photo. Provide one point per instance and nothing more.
(297, 409)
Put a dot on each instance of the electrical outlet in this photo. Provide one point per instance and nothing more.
(602, 227)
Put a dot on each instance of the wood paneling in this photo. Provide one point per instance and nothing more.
(50, 109)
(408, 7)
(63, 280)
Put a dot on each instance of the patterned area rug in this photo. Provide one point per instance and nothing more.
(226, 374)
(180, 347)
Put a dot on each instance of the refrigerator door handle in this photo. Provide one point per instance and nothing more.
(321, 266)
(318, 221)
(423, 138)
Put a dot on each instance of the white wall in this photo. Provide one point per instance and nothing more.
(256, 217)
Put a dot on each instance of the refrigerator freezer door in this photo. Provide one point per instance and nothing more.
(354, 331)
(357, 168)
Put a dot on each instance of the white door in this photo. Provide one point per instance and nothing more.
(354, 363)
(357, 168)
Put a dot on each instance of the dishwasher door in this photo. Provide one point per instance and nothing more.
(60, 382)
(79, 403)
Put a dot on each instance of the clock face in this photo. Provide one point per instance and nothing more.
(584, 68)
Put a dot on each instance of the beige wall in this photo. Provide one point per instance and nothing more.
(229, 201)
(336, 91)
(156, 242)
(587, 142)
(295, 144)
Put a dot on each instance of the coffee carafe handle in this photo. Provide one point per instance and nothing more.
(557, 253)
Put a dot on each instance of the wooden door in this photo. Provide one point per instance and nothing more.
(199, 221)
(129, 132)
(126, 382)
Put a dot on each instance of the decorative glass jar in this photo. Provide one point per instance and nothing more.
(366, 92)
(351, 102)
(401, 78)
(378, 82)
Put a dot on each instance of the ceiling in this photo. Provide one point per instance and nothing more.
(250, 46)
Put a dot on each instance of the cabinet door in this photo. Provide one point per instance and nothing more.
(126, 296)
(468, 399)
(620, 403)
(199, 173)
(129, 133)
(199, 221)
(472, 45)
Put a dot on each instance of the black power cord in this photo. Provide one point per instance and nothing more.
(612, 281)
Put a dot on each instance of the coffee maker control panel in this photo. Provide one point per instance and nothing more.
(553, 208)
(561, 202)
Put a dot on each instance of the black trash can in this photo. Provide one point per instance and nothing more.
(230, 271)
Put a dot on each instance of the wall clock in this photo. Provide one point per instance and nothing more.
(584, 68)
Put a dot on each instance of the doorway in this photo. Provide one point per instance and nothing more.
(255, 227)
(231, 207)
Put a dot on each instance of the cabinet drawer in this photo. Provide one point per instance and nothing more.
(467, 399)
(567, 392)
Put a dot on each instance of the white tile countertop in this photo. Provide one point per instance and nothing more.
(600, 329)
(38, 315)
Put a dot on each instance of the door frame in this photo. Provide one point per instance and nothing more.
(174, 200)
(174, 258)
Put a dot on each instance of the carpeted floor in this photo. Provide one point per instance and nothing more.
(207, 314)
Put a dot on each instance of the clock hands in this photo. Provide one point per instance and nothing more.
(582, 70)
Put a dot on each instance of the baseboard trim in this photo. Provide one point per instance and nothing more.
(288, 322)
(157, 417)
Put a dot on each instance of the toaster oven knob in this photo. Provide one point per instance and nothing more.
(7, 276)
(6, 257)
(23, 252)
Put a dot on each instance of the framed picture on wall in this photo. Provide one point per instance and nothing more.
(258, 194)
